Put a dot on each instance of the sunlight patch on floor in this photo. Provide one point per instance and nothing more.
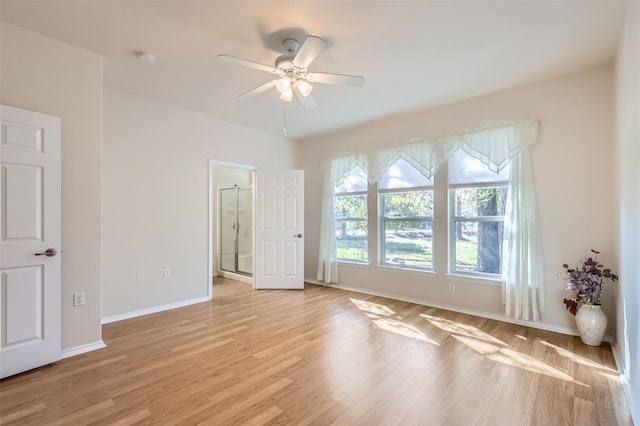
(459, 328)
(512, 357)
(499, 351)
(373, 308)
(611, 376)
(577, 358)
(403, 329)
(381, 316)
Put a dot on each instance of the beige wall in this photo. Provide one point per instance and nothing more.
(573, 172)
(155, 197)
(40, 74)
(627, 347)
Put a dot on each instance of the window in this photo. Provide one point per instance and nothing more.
(405, 212)
(464, 208)
(406, 219)
(351, 218)
(477, 205)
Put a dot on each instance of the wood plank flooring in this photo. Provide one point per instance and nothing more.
(320, 356)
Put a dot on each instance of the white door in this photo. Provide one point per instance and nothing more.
(29, 240)
(279, 229)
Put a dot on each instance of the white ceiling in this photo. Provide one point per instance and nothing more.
(415, 54)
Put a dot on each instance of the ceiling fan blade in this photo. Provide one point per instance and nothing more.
(247, 63)
(307, 102)
(309, 50)
(341, 79)
(258, 90)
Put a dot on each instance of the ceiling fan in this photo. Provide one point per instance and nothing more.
(293, 76)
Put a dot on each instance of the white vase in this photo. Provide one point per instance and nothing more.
(592, 323)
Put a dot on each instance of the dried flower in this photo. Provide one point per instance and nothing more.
(587, 281)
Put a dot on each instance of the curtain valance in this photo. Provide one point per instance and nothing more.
(495, 147)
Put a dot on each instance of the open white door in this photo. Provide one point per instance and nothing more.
(279, 248)
(30, 214)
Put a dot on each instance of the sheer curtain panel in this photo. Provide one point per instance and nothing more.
(334, 171)
(521, 249)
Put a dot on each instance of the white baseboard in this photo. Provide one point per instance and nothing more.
(481, 314)
(155, 309)
(78, 350)
(633, 400)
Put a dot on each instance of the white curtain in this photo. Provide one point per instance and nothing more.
(328, 258)
(521, 249)
(334, 172)
(496, 147)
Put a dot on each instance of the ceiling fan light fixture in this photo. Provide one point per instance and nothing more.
(287, 95)
(304, 87)
(283, 85)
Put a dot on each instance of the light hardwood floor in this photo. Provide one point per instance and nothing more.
(320, 356)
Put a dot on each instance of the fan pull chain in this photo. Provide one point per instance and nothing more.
(284, 122)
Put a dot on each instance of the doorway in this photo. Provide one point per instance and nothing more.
(279, 235)
(224, 174)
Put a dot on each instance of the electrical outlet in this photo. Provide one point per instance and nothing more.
(452, 288)
(78, 299)
(166, 272)
(140, 276)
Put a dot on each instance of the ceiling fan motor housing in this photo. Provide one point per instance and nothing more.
(286, 67)
(291, 45)
(285, 62)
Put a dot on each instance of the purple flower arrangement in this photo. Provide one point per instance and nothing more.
(587, 281)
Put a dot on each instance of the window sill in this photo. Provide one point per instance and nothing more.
(474, 280)
(355, 264)
(406, 270)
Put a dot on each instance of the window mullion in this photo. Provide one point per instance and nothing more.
(440, 223)
(373, 207)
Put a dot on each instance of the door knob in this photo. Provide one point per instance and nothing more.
(48, 252)
(298, 236)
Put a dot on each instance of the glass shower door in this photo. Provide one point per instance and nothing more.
(245, 231)
(236, 230)
(228, 229)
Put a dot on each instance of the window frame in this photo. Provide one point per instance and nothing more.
(365, 219)
(382, 219)
(451, 242)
